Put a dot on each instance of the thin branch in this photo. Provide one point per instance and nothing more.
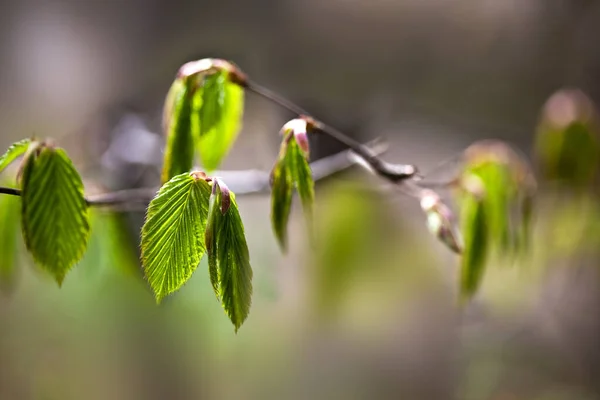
(392, 172)
(242, 182)
(10, 191)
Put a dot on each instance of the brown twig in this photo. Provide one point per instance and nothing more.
(392, 172)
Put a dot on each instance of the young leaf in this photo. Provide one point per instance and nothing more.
(179, 152)
(54, 215)
(218, 115)
(475, 233)
(228, 257)
(173, 234)
(14, 151)
(10, 208)
(302, 176)
(567, 146)
(281, 201)
(500, 193)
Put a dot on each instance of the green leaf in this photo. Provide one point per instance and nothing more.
(567, 145)
(210, 240)
(14, 151)
(10, 209)
(302, 176)
(54, 214)
(218, 115)
(500, 192)
(281, 201)
(111, 246)
(179, 151)
(229, 259)
(476, 243)
(173, 234)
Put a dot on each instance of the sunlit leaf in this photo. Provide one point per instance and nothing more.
(54, 212)
(476, 243)
(179, 151)
(500, 195)
(219, 115)
(228, 258)
(10, 208)
(302, 177)
(281, 200)
(173, 234)
(14, 151)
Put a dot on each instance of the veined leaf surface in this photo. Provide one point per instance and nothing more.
(173, 234)
(54, 212)
(179, 151)
(218, 115)
(229, 260)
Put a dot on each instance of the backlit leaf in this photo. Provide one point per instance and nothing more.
(229, 259)
(173, 234)
(54, 213)
(281, 201)
(302, 176)
(179, 151)
(500, 192)
(476, 243)
(10, 208)
(14, 151)
(219, 114)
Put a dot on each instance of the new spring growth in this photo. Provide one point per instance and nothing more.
(440, 220)
(298, 129)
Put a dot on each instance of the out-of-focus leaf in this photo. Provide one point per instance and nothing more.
(506, 178)
(500, 193)
(10, 208)
(173, 234)
(476, 243)
(219, 115)
(228, 258)
(179, 151)
(567, 144)
(13, 152)
(54, 212)
(356, 233)
(281, 200)
(110, 245)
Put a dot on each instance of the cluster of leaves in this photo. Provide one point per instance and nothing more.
(291, 169)
(193, 213)
(495, 188)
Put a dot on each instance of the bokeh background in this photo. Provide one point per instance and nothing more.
(373, 317)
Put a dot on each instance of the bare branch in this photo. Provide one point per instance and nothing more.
(392, 172)
(241, 182)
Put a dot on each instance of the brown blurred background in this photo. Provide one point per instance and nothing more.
(430, 76)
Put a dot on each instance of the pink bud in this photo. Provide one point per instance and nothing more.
(440, 220)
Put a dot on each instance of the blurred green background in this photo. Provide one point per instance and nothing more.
(374, 315)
